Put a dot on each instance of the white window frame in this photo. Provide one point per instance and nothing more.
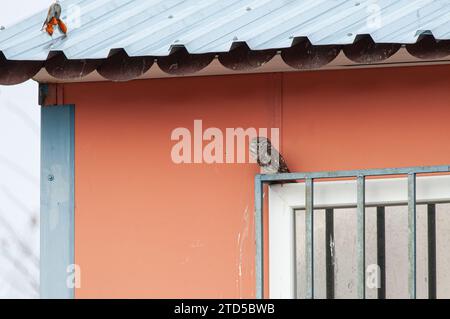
(285, 198)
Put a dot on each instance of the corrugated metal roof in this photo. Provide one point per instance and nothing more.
(154, 27)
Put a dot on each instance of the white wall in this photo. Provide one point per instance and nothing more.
(19, 174)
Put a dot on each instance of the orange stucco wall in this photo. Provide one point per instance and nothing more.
(146, 227)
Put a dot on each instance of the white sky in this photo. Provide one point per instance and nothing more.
(10, 15)
(19, 169)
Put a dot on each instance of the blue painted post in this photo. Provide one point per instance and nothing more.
(57, 201)
(259, 237)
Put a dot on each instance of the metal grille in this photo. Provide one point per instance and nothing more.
(360, 176)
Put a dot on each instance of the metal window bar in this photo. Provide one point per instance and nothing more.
(309, 238)
(381, 250)
(432, 288)
(329, 252)
(412, 238)
(360, 236)
(360, 175)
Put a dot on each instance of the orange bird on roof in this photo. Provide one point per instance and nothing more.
(54, 18)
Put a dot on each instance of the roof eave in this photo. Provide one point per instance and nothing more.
(400, 59)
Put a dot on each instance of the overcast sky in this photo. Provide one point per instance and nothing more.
(19, 172)
(10, 15)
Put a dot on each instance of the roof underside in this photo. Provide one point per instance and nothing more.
(158, 29)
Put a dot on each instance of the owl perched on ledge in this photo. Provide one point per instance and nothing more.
(267, 157)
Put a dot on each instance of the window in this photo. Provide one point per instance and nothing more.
(335, 233)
